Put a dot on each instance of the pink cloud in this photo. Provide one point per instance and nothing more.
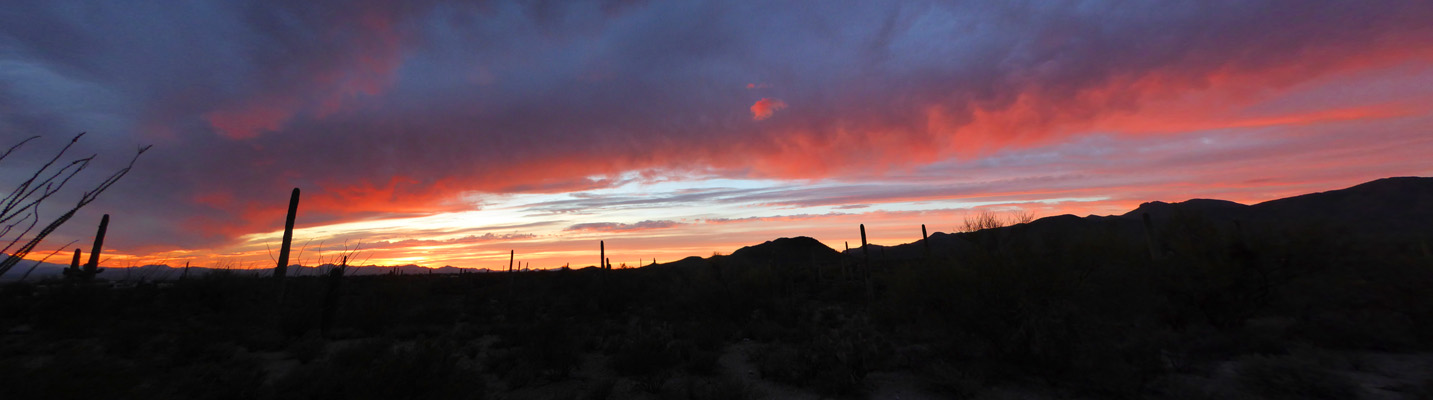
(249, 121)
(765, 107)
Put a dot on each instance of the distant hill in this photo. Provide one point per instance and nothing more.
(799, 250)
(786, 251)
(34, 269)
(1386, 209)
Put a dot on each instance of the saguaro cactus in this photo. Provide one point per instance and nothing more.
(925, 240)
(866, 252)
(92, 267)
(283, 267)
(74, 272)
(601, 254)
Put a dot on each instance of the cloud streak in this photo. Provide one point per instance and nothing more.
(620, 227)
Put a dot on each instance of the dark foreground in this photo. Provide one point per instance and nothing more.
(1070, 310)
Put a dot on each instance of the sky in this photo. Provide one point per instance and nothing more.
(452, 132)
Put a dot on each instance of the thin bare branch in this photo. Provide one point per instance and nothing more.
(46, 187)
(47, 257)
(85, 199)
(13, 197)
(17, 145)
(22, 234)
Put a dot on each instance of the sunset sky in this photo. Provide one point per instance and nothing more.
(448, 133)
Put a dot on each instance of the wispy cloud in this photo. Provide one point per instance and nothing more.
(621, 227)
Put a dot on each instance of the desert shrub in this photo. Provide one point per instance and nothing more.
(705, 389)
(1383, 330)
(707, 335)
(194, 347)
(547, 349)
(1423, 389)
(236, 378)
(784, 364)
(651, 382)
(1288, 377)
(1185, 387)
(381, 369)
(763, 329)
(600, 390)
(307, 348)
(951, 381)
(646, 350)
(832, 363)
(71, 374)
(932, 300)
(703, 362)
(509, 365)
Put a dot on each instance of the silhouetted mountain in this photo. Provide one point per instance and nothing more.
(801, 250)
(1385, 207)
(689, 262)
(1381, 209)
(1160, 210)
(797, 250)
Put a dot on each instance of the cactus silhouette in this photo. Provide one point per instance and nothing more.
(283, 267)
(92, 268)
(866, 252)
(925, 241)
(602, 254)
(74, 272)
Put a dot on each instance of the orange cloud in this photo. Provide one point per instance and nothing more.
(765, 107)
